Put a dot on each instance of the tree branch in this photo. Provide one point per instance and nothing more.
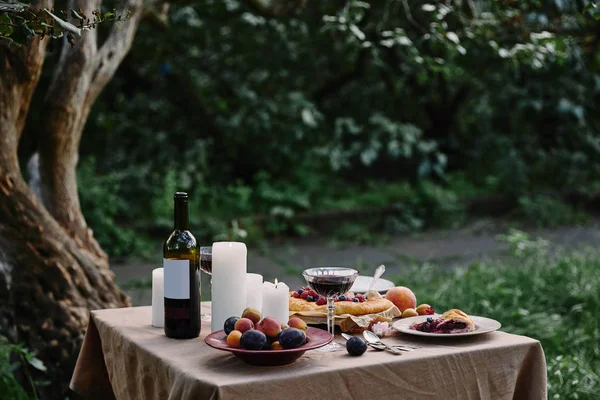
(114, 49)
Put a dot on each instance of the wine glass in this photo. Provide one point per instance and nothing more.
(206, 267)
(330, 282)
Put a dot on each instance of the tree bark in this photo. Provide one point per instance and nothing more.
(52, 272)
(81, 74)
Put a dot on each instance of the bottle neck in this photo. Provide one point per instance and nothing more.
(181, 221)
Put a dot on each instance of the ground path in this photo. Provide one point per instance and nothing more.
(445, 248)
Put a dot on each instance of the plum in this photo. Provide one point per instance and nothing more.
(409, 312)
(253, 340)
(233, 339)
(270, 327)
(356, 346)
(252, 314)
(243, 325)
(425, 309)
(297, 323)
(229, 324)
(276, 346)
(290, 338)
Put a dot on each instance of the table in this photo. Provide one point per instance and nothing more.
(123, 356)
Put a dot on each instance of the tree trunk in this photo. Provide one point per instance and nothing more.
(52, 272)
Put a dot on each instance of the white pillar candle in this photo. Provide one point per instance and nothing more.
(276, 301)
(158, 299)
(254, 291)
(228, 282)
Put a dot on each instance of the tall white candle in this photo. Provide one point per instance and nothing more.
(254, 291)
(276, 301)
(158, 299)
(228, 282)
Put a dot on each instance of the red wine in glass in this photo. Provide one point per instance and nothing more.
(330, 282)
(329, 286)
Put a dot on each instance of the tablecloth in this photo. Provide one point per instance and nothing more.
(123, 356)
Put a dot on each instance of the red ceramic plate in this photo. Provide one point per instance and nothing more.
(315, 338)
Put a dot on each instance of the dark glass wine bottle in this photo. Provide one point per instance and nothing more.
(181, 258)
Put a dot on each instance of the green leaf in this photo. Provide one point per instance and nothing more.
(37, 364)
(5, 28)
(67, 26)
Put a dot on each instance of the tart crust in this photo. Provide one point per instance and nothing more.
(342, 307)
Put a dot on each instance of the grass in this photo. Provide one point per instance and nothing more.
(553, 296)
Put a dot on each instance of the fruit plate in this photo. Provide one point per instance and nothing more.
(482, 325)
(361, 284)
(315, 339)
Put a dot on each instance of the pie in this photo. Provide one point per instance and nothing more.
(347, 304)
(452, 321)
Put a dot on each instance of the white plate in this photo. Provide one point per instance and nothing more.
(361, 284)
(482, 325)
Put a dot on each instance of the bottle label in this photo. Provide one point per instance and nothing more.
(177, 278)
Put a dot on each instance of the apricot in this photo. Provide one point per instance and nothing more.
(233, 339)
(252, 314)
(409, 312)
(243, 325)
(270, 327)
(276, 346)
(297, 323)
(402, 297)
(425, 309)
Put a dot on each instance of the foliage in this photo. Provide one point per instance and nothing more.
(440, 100)
(104, 208)
(554, 298)
(23, 361)
(547, 211)
(18, 24)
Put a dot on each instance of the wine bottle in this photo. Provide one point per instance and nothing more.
(181, 259)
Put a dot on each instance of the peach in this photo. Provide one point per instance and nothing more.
(243, 325)
(402, 297)
(425, 309)
(269, 326)
(252, 314)
(297, 323)
(276, 346)
(233, 339)
(409, 312)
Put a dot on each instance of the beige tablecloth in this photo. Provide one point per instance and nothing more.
(123, 356)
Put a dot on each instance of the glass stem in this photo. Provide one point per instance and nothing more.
(330, 315)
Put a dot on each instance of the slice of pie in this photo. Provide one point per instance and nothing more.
(452, 321)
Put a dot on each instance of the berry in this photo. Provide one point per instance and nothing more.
(296, 295)
(429, 319)
(356, 346)
(360, 297)
(310, 298)
(321, 301)
(356, 300)
(304, 294)
(342, 298)
(299, 291)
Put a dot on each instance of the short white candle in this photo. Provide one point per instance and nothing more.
(158, 299)
(254, 291)
(276, 301)
(228, 282)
